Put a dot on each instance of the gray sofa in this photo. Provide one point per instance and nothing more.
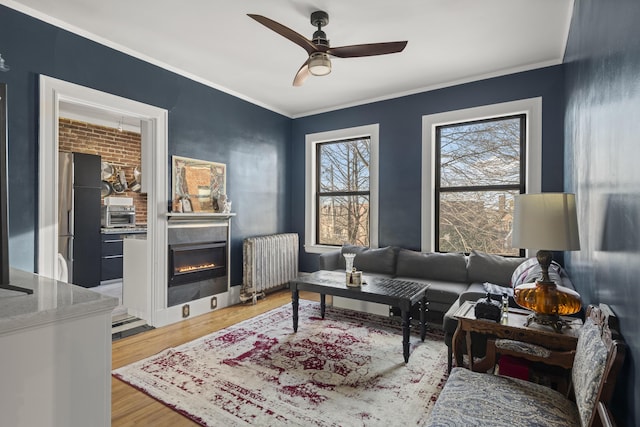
(453, 277)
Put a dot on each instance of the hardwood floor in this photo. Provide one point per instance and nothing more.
(130, 407)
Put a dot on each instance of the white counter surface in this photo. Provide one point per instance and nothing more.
(138, 229)
(51, 301)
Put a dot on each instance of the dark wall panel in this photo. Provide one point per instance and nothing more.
(203, 123)
(602, 151)
(400, 122)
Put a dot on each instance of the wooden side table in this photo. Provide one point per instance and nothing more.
(514, 329)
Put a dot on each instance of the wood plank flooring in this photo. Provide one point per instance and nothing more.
(130, 407)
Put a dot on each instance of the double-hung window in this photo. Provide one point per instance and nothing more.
(474, 163)
(342, 191)
(480, 167)
(341, 199)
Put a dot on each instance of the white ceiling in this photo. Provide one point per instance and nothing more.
(216, 43)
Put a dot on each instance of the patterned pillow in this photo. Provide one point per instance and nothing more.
(485, 267)
(588, 369)
(529, 271)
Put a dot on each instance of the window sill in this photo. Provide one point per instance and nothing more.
(320, 249)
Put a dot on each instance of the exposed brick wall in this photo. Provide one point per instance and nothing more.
(121, 149)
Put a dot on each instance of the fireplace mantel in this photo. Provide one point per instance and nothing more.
(196, 239)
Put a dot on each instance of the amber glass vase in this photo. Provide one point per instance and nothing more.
(547, 298)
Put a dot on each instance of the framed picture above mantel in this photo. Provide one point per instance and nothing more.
(197, 184)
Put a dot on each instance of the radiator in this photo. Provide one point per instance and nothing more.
(269, 262)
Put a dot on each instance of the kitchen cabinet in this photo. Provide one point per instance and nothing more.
(112, 252)
(135, 279)
(55, 362)
(111, 265)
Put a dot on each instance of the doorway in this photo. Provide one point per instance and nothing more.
(57, 96)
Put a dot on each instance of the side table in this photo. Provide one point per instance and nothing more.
(514, 329)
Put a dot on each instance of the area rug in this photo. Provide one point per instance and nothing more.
(344, 370)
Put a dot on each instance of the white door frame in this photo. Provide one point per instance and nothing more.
(154, 121)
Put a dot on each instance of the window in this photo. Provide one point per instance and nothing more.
(341, 188)
(342, 193)
(474, 162)
(480, 168)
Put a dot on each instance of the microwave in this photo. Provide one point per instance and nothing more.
(118, 216)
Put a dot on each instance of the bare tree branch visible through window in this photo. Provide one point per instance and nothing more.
(343, 192)
(480, 173)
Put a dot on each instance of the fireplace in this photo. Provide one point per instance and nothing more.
(197, 259)
(190, 262)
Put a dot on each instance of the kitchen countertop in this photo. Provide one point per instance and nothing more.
(51, 301)
(138, 229)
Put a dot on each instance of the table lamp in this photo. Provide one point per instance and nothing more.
(548, 222)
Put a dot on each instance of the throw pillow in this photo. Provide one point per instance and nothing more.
(380, 260)
(348, 249)
(449, 266)
(483, 267)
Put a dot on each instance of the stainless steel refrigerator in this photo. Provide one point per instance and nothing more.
(79, 216)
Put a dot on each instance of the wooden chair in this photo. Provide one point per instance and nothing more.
(477, 398)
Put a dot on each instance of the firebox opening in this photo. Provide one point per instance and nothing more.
(194, 262)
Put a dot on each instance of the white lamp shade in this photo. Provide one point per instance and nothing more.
(545, 221)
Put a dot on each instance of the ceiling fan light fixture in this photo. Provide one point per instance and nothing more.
(319, 64)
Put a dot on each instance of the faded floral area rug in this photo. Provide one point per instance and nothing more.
(344, 370)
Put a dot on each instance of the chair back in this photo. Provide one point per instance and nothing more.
(598, 360)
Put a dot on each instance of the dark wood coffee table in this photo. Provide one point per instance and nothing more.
(398, 293)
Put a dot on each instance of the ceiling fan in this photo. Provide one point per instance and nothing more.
(319, 63)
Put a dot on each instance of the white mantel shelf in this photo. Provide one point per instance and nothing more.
(181, 216)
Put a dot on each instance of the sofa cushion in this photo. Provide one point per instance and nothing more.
(474, 399)
(432, 266)
(348, 249)
(440, 293)
(497, 269)
(381, 260)
(331, 261)
(474, 292)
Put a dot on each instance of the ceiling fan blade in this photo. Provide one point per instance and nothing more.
(285, 32)
(371, 49)
(302, 74)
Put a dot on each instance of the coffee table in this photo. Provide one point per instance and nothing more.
(398, 293)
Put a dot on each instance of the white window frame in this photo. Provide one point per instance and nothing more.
(532, 107)
(311, 141)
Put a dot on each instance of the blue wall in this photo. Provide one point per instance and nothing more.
(602, 152)
(596, 133)
(203, 123)
(400, 142)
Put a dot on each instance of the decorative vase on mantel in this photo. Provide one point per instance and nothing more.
(224, 204)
